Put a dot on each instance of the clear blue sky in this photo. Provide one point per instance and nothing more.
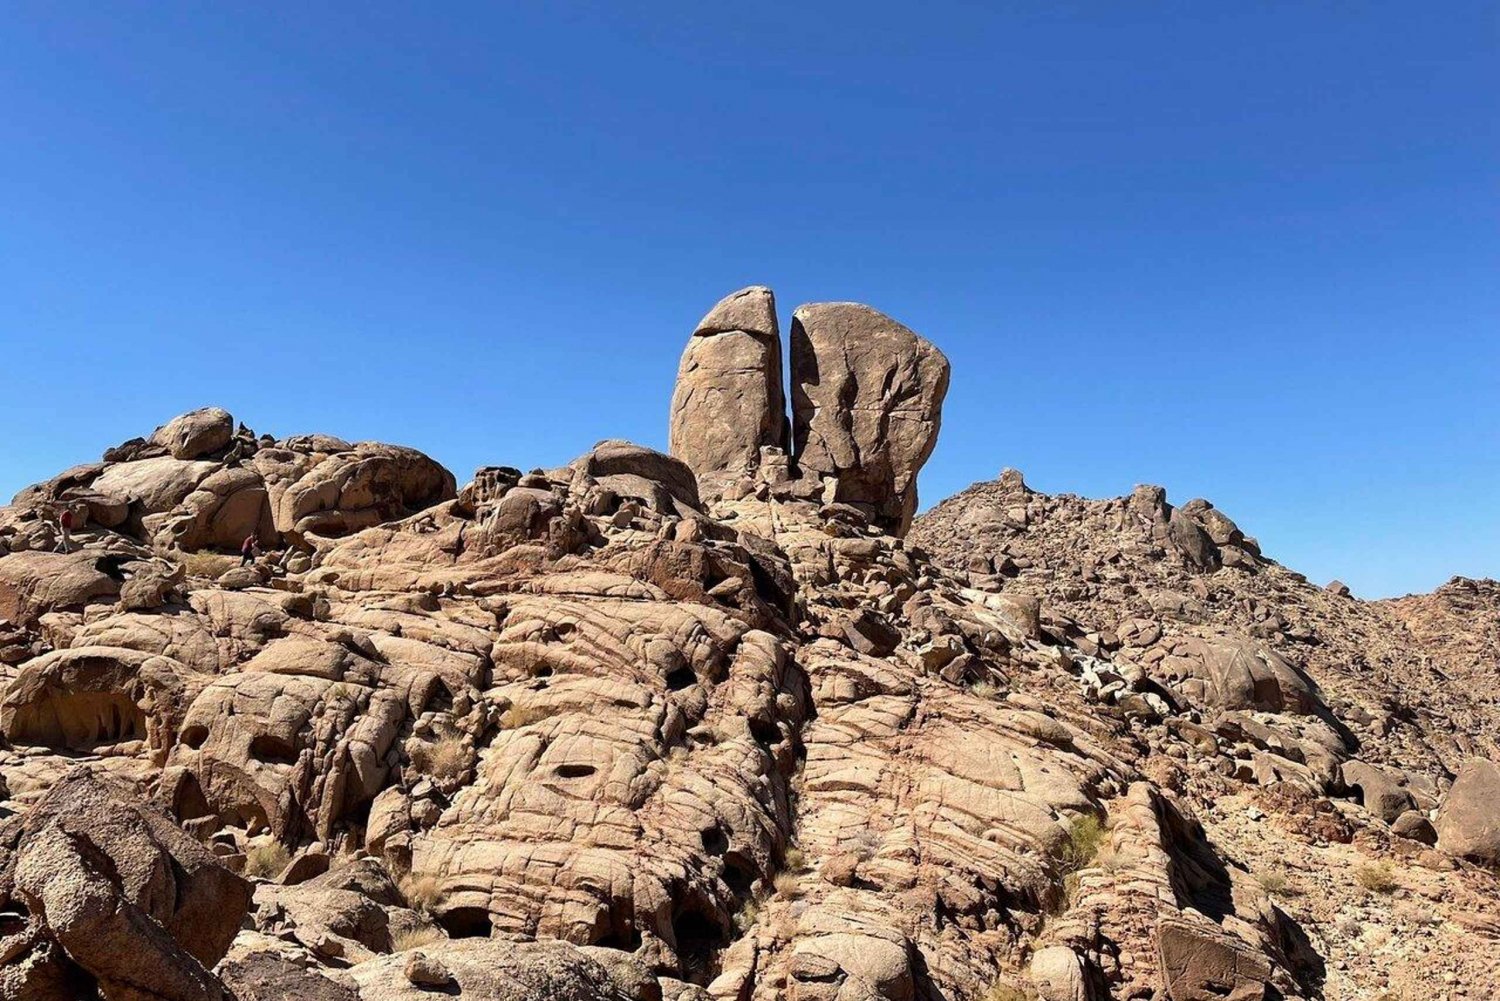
(1247, 251)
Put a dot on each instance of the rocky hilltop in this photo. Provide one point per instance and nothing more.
(730, 723)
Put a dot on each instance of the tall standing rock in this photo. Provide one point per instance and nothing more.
(867, 397)
(729, 402)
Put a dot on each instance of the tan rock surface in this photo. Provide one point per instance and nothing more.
(729, 401)
(867, 397)
(629, 729)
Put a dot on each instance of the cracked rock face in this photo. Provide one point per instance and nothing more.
(867, 398)
(706, 727)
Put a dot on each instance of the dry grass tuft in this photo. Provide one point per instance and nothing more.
(1275, 884)
(793, 860)
(208, 564)
(1004, 990)
(1377, 877)
(422, 892)
(415, 937)
(1078, 849)
(744, 920)
(266, 860)
(445, 759)
(518, 716)
(787, 885)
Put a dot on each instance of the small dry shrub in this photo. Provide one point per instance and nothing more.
(1377, 877)
(208, 564)
(267, 859)
(793, 860)
(1275, 884)
(1078, 849)
(518, 716)
(422, 892)
(787, 885)
(445, 759)
(984, 689)
(415, 937)
(744, 920)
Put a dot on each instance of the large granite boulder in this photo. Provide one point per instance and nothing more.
(196, 433)
(867, 397)
(729, 401)
(34, 583)
(1468, 822)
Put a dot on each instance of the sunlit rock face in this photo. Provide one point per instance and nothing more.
(720, 723)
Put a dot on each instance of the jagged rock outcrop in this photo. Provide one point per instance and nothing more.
(729, 400)
(867, 398)
(644, 728)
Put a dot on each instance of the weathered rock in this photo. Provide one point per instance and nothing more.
(496, 970)
(423, 970)
(328, 487)
(1057, 975)
(554, 737)
(867, 397)
(1468, 822)
(1379, 790)
(195, 434)
(632, 470)
(1201, 963)
(266, 976)
(34, 583)
(128, 898)
(1414, 826)
(728, 402)
(87, 696)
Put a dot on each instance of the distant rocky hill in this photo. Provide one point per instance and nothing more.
(723, 724)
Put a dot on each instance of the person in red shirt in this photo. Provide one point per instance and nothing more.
(65, 529)
(249, 548)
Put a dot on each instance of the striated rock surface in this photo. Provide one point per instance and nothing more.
(651, 727)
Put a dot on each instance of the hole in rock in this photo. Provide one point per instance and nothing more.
(78, 720)
(188, 801)
(273, 750)
(626, 939)
(715, 841)
(13, 919)
(575, 771)
(466, 922)
(681, 678)
(439, 698)
(194, 736)
(542, 671)
(765, 732)
(739, 873)
(699, 939)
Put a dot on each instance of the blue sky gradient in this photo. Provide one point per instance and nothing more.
(1246, 251)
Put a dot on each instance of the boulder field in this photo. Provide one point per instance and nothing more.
(728, 723)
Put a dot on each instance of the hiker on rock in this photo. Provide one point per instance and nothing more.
(65, 529)
(249, 549)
